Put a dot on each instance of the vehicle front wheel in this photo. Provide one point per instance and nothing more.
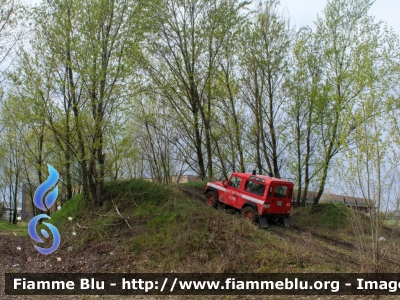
(211, 199)
(250, 214)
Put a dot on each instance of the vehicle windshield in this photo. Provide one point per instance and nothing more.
(235, 182)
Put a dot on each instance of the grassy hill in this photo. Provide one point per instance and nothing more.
(148, 227)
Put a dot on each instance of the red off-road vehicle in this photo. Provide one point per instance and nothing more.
(258, 197)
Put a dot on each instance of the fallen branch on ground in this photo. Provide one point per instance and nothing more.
(83, 227)
(124, 218)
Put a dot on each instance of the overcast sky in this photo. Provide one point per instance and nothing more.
(304, 12)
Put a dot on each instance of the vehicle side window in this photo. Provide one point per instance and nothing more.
(280, 191)
(254, 187)
(235, 182)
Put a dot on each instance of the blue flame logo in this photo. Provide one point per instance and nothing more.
(49, 201)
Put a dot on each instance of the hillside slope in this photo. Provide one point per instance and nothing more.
(147, 227)
(162, 229)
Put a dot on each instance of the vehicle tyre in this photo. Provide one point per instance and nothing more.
(211, 199)
(250, 214)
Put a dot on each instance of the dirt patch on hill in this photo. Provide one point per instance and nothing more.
(192, 193)
(18, 255)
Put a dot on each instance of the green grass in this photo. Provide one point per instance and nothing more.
(70, 209)
(200, 184)
(21, 228)
(328, 215)
(391, 223)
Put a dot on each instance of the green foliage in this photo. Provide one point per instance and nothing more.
(110, 90)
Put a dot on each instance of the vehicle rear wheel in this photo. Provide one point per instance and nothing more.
(211, 199)
(250, 214)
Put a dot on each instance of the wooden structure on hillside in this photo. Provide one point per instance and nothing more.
(181, 179)
(361, 204)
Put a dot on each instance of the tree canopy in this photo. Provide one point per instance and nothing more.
(120, 89)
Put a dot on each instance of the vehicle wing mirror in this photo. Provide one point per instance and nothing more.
(224, 183)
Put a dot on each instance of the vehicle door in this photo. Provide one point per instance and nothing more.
(232, 194)
(254, 193)
(281, 198)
